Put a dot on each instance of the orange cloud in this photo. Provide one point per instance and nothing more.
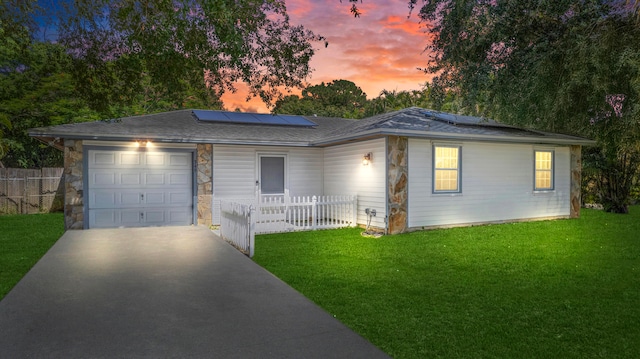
(380, 50)
(408, 25)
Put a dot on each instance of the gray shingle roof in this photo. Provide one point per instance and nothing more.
(182, 126)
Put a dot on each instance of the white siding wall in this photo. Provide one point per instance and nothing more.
(235, 172)
(344, 173)
(497, 184)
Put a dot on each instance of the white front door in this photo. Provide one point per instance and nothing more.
(139, 188)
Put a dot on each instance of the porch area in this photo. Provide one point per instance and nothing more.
(241, 220)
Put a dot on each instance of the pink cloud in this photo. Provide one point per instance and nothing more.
(380, 50)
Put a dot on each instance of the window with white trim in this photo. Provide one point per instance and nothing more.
(543, 174)
(446, 169)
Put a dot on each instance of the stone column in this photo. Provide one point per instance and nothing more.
(205, 182)
(73, 185)
(397, 182)
(576, 181)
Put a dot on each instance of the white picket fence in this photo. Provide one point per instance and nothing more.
(240, 222)
(237, 225)
(277, 214)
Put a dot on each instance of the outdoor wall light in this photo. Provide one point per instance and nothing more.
(366, 159)
(142, 143)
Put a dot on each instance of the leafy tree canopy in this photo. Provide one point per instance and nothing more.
(396, 100)
(40, 92)
(180, 45)
(339, 98)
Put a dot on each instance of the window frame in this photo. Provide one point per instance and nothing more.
(434, 169)
(551, 170)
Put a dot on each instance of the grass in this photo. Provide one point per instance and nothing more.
(548, 289)
(24, 239)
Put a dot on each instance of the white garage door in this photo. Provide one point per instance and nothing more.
(139, 188)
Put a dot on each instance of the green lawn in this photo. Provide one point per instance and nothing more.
(24, 239)
(549, 289)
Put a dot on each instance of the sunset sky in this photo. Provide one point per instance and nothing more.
(380, 50)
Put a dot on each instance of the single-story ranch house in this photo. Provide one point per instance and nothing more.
(416, 168)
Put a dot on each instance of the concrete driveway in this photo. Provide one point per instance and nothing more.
(170, 292)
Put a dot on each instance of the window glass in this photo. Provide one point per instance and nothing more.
(446, 169)
(544, 170)
(272, 175)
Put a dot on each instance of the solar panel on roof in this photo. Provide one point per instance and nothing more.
(268, 119)
(239, 117)
(295, 120)
(458, 119)
(252, 118)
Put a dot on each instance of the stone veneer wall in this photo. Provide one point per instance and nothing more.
(576, 181)
(205, 182)
(73, 183)
(397, 182)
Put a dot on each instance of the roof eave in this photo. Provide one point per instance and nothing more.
(454, 137)
(45, 137)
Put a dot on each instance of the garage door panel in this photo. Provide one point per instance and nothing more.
(110, 178)
(102, 199)
(129, 158)
(130, 217)
(179, 160)
(154, 217)
(129, 199)
(180, 198)
(129, 179)
(155, 179)
(105, 178)
(179, 179)
(153, 198)
(178, 216)
(134, 198)
(111, 159)
(111, 198)
(102, 218)
(133, 188)
(174, 160)
(102, 178)
(104, 158)
(156, 159)
(110, 218)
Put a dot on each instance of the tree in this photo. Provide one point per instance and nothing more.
(339, 98)
(15, 39)
(563, 66)
(38, 91)
(183, 45)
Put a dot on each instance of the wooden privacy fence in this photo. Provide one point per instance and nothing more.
(240, 222)
(24, 191)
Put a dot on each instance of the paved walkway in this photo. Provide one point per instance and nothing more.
(171, 292)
